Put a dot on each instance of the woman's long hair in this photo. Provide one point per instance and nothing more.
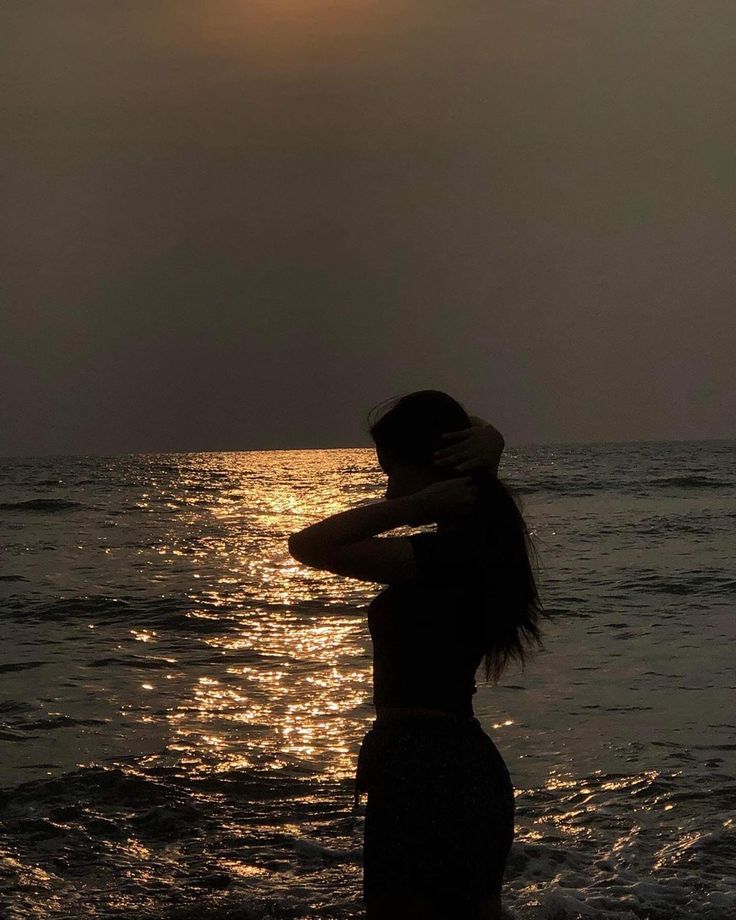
(409, 432)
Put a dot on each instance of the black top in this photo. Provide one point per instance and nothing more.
(426, 632)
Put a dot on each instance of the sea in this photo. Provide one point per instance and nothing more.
(182, 703)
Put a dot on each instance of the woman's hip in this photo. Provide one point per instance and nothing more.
(413, 760)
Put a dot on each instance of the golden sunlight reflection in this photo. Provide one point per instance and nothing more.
(286, 680)
(143, 635)
(243, 528)
(241, 869)
(579, 800)
(293, 701)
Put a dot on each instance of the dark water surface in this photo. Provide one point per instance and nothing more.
(181, 704)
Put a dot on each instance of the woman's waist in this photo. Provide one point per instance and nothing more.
(394, 713)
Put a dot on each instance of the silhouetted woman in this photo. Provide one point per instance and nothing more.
(439, 817)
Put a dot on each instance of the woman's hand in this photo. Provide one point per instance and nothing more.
(457, 496)
(474, 448)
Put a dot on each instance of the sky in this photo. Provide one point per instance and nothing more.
(240, 225)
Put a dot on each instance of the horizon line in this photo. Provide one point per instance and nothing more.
(246, 450)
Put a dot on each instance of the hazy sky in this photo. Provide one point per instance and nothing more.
(234, 225)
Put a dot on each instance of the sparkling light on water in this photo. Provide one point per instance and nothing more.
(184, 702)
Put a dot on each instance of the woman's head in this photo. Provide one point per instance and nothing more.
(407, 435)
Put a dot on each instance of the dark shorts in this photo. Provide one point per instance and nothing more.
(439, 817)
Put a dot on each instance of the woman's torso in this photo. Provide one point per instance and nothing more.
(426, 646)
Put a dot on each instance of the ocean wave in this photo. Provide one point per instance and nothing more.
(576, 854)
(668, 524)
(583, 487)
(20, 666)
(164, 612)
(82, 791)
(52, 722)
(563, 487)
(689, 482)
(701, 583)
(85, 605)
(131, 661)
(49, 505)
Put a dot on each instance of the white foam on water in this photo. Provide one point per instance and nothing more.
(551, 886)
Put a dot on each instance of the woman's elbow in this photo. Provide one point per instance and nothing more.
(300, 549)
(294, 546)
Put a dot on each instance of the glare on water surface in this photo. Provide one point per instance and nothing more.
(183, 696)
(282, 687)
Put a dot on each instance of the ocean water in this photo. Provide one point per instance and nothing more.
(181, 703)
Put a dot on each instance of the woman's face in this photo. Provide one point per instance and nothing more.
(405, 479)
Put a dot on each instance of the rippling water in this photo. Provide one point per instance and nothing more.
(181, 703)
